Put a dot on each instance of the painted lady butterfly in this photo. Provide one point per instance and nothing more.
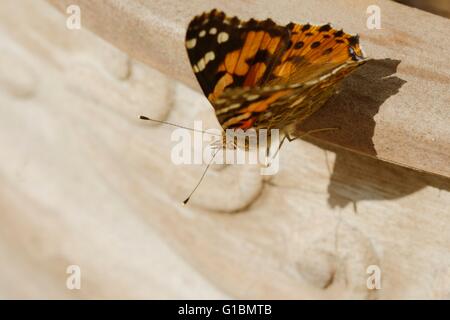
(258, 74)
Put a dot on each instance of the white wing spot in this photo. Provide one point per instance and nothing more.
(202, 33)
(201, 64)
(311, 82)
(297, 102)
(222, 37)
(226, 109)
(210, 56)
(252, 97)
(324, 77)
(212, 31)
(220, 101)
(191, 43)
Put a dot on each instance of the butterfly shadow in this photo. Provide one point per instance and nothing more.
(355, 177)
(354, 107)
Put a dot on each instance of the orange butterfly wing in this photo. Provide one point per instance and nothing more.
(262, 75)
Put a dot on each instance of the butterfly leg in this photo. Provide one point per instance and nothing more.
(307, 133)
(279, 146)
(285, 136)
(290, 139)
(276, 152)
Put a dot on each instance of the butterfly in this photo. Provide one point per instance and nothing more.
(261, 75)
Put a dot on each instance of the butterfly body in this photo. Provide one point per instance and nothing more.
(261, 75)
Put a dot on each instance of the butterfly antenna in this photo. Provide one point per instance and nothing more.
(201, 178)
(176, 125)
